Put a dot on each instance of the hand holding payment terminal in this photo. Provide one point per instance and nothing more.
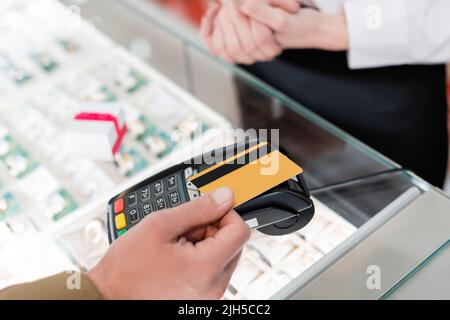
(276, 202)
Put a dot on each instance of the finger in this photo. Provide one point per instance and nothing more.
(232, 43)
(211, 231)
(207, 25)
(292, 6)
(218, 43)
(233, 233)
(196, 235)
(242, 27)
(224, 54)
(277, 19)
(182, 240)
(201, 233)
(208, 18)
(265, 40)
(203, 211)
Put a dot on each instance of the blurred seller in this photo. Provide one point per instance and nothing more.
(375, 68)
(188, 252)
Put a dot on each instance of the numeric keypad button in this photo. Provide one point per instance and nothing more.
(147, 208)
(131, 200)
(144, 193)
(171, 182)
(160, 203)
(158, 188)
(133, 215)
(174, 199)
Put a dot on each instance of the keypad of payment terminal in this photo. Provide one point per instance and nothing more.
(166, 192)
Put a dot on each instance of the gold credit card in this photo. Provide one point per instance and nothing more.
(249, 173)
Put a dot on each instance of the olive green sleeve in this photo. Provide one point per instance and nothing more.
(63, 286)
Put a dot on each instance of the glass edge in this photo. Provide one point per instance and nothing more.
(415, 270)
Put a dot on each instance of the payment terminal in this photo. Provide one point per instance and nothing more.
(264, 202)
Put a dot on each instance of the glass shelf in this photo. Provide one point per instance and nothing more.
(442, 253)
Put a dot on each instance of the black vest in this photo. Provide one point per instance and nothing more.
(399, 111)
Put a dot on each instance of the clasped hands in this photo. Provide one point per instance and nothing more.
(249, 31)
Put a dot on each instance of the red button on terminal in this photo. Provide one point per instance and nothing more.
(119, 206)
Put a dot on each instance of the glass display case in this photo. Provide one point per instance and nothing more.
(52, 210)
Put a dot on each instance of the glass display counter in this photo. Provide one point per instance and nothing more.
(136, 53)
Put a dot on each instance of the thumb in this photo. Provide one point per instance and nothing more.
(203, 211)
(292, 6)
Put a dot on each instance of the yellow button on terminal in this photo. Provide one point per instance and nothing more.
(121, 221)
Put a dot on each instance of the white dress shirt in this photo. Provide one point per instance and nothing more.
(393, 32)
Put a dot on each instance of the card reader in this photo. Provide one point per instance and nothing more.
(283, 209)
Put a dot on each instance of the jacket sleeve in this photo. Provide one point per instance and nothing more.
(63, 286)
(395, 32)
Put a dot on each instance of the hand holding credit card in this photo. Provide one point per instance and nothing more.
(249, 173)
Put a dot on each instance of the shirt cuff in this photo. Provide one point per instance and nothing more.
(378, 33)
